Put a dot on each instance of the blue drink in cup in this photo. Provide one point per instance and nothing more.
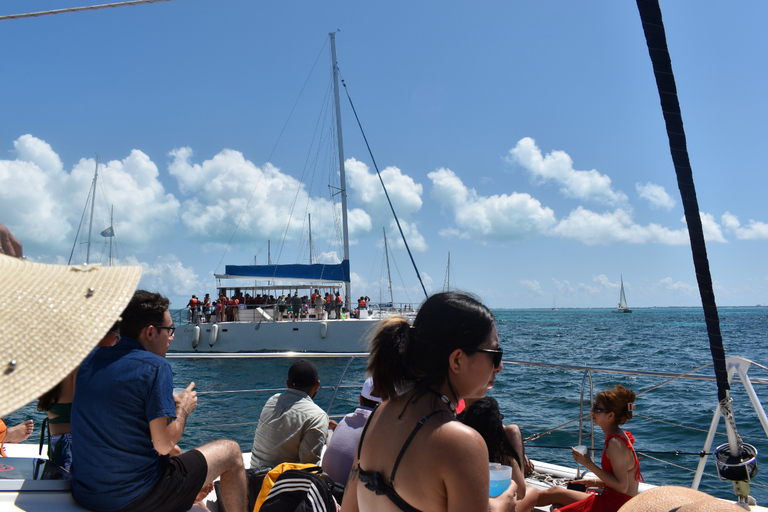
(501, 478)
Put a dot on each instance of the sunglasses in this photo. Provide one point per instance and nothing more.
(598, 410)
(171, 329)
(497, 353)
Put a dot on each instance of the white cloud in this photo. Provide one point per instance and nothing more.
(532, 285)
(43, 204)
(678, 286)
(37, 151)
(712, 232)
(404, 193)
(592, 228)
(756, 230)
(229, 191)
(558, 166)
(656, 195)
(497, 217)
(168, 276)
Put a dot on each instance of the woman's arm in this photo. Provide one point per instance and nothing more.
(617, 452)
(467, 482)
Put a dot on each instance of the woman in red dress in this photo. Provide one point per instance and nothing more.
(620, 471)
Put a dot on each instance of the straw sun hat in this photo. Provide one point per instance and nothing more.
(51, 316)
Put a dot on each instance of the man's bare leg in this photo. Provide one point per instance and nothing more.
(225, 460)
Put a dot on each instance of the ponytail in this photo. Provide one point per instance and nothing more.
(386, 364)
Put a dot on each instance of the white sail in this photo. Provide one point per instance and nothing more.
(623, 299)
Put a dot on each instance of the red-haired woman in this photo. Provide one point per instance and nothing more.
(620, 471)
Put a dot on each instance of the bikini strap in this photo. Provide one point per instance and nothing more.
(365, 429)
(416, 429)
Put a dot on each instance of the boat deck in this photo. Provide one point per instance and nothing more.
(31, 496)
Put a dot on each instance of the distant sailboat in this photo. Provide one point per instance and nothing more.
(622, 300)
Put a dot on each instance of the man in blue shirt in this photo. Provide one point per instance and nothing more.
(126, 422)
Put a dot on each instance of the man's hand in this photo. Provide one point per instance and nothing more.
(8, 243)
(166, 432)
(186, 401)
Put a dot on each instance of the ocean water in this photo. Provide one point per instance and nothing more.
(670, 422)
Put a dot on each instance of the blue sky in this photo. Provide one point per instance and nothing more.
(525, 138)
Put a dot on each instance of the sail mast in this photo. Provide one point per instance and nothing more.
(311, 259)
(342, 176)
(111, 231)
(389, 275)
(93, 203)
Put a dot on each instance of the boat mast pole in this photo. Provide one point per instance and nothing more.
(342, 176)
(311, 260)
(93, 203)
(111, 231)
(389, 275)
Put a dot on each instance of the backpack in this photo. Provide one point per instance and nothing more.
(302, 490)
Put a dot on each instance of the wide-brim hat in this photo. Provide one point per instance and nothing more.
(51, 316)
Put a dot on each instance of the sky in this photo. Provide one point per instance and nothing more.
(525, 139)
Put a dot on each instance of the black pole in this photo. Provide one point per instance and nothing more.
(655, 37)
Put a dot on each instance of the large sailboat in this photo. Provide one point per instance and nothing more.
(622, 300)
(259, 327)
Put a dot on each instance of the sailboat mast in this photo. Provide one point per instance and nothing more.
(311, 259)
(93, 203)
(342, 176)
(111, 231)
(389, 275)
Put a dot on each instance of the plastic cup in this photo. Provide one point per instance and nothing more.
(178, 391)
(581, 448)
(501, 478)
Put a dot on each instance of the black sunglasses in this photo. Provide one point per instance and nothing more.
(598, 410)
(171, 329)
(497, 353)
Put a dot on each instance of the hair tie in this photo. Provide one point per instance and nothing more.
(630, 407)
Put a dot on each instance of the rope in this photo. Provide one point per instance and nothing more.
(656, 39)
(373, 160)
(78, 9)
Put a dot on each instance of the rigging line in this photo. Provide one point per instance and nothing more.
(536, 436)
(695, 429)
(271, 154)
(385, 188)
(78, 9)
(656, 40)
(639, 452)
(77, 235)
(672, 379)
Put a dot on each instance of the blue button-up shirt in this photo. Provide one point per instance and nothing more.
(118, 391)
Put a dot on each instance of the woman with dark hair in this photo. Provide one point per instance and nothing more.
(620, 472)
(484, 416)
(412, 456)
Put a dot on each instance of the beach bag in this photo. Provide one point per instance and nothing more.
(302, 490)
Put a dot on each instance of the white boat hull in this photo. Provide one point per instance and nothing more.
(347, 335)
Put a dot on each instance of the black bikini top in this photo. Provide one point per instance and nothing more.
(375, 481)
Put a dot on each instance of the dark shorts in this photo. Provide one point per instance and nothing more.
(181, 481)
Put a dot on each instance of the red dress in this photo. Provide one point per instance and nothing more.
(609, 500)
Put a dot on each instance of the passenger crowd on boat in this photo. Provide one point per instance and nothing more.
(288, 306)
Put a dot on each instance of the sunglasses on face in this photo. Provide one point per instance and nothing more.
(171, 329)
(598, 410)
(497, 353)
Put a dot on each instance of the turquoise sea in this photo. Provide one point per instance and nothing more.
(670, 421)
